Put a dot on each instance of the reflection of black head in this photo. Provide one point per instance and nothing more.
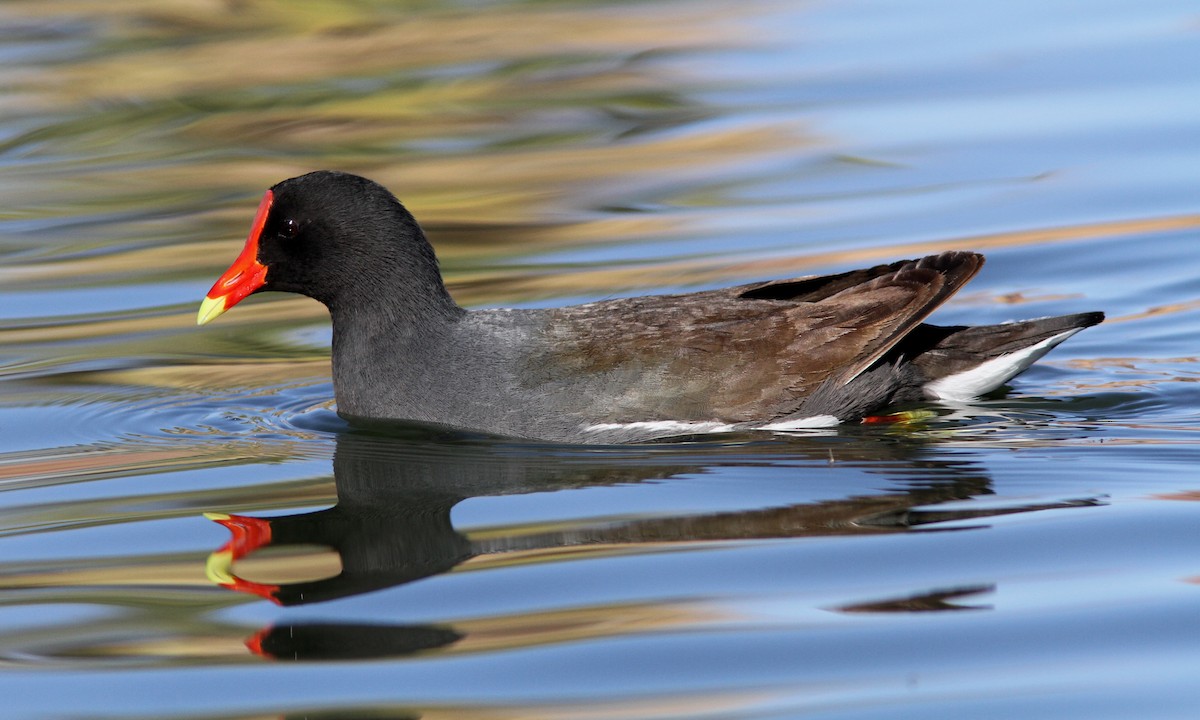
(378, 547)
(391, 526)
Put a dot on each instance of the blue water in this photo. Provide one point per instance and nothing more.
(1029, 555)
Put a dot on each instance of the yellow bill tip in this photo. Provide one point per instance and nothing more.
(218, 568)
(210, 309)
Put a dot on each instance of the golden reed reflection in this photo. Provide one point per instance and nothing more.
(710, 270)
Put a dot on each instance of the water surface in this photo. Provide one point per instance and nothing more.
(1030, 555)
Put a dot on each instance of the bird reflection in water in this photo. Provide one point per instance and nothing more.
(392, 525)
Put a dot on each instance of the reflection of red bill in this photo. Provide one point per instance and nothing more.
(254, 643)
(249, 534)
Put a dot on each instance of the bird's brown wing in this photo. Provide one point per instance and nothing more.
(748, 353)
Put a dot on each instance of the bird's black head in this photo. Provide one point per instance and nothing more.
(340, 239)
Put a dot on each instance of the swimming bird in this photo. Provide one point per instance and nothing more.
(774, 355)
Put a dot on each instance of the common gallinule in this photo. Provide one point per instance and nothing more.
(776, 355)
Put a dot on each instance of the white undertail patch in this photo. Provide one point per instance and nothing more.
(987, 376)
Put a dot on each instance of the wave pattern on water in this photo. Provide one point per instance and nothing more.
(188, 529)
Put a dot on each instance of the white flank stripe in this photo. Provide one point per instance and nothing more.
(806, 423)
(692, 426)
(711, 426)
(987, 376)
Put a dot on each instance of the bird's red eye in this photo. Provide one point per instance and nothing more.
(288, 229)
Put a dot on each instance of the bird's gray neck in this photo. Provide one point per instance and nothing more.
(386, 356)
